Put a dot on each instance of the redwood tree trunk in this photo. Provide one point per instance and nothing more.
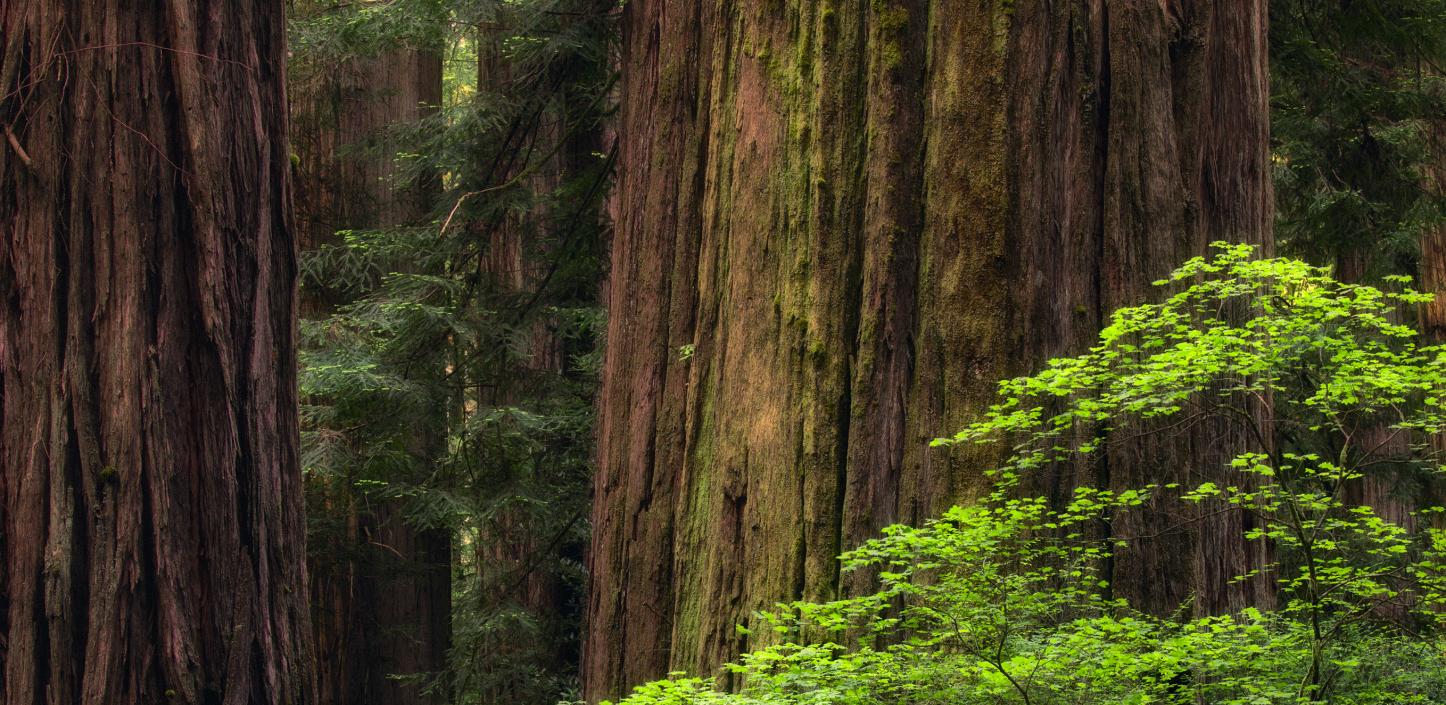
(838, 226)
(381, 587)
(152, 536)
(1433, 279)
(1433, 243)
(1432, 270)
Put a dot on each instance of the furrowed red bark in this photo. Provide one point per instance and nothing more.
(1140, 136)
(151, 532)
(1433, 279)
(381, 587)
(1433, 245)
(838, 225)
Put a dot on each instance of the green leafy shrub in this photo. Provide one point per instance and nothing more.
(1008, 601)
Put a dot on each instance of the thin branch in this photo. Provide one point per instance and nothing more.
(19, 150)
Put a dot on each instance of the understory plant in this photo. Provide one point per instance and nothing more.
(1009, 600)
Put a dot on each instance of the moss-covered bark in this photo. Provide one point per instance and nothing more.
(839, 224)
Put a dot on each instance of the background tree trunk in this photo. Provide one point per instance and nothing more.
(1433, 279)
(381, 587)
(152, 535)
(1432, 265)
(542, 259)
(838, 226)
(1432, 274)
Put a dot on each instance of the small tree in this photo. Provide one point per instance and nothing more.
(1313, 369)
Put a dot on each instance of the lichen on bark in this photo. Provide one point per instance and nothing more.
(860, 215)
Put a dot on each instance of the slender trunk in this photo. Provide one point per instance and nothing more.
(1433, 243)
(381, 587)
(152, 537)
(1433, 279)
(1432, 276)
(852, 219)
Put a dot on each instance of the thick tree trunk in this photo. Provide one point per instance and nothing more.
(152, 535)
(1139, 136)
(838, 225)
(340, 115)
(381, 587)
(408, 594)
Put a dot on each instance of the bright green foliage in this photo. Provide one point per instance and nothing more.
(1241, 336)
(1355, 89)
(1006, 602)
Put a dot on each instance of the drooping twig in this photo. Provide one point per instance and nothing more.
(19, 150)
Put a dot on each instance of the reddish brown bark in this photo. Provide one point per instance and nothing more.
(381, 587)
(152, 544)
(1433, 244)
(343, 116)
(1432, 271)
(1140, 136)
(838, 225)
(1433, 279)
